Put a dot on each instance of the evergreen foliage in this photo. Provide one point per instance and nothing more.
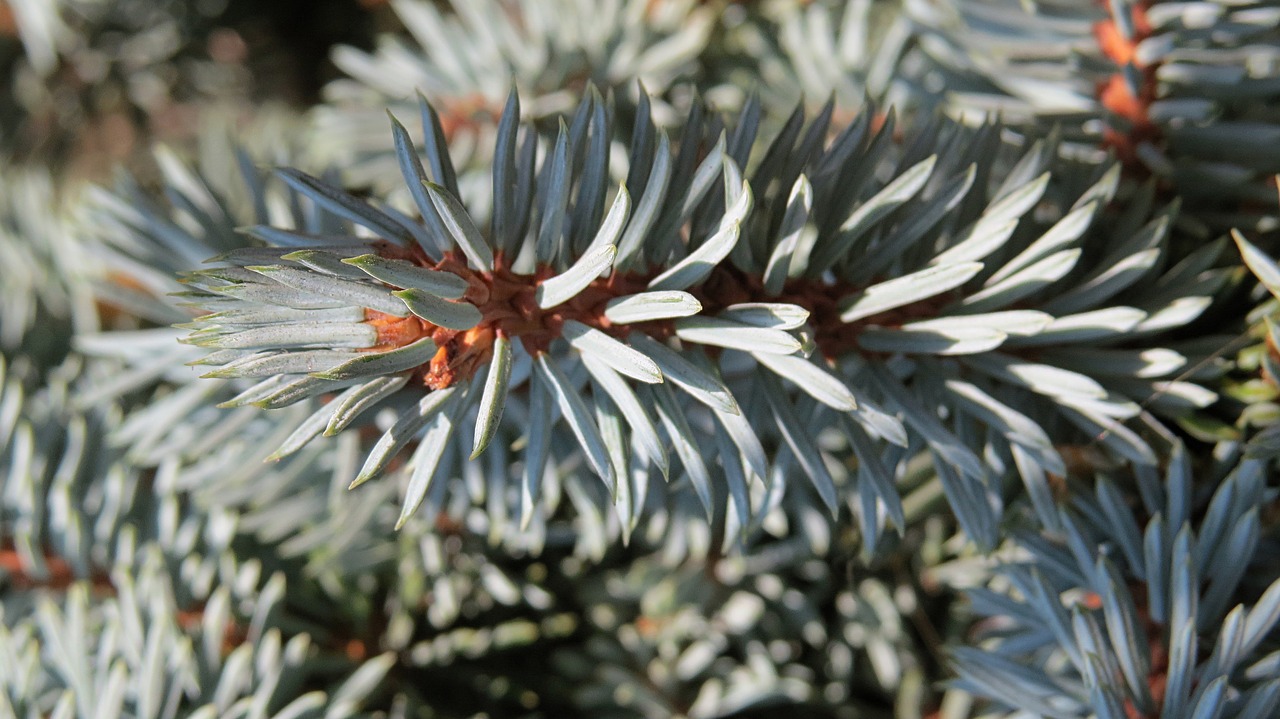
(1110, 614)
(648, 358)
(1172, 89)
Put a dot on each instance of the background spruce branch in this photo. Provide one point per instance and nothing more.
(639, 358)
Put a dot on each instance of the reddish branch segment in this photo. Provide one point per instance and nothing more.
(466, 113)
(508, 304)
(58, 572)
(833, 336)
(1115, 93)
(509, 308)
(1157, 647)
(59, 576)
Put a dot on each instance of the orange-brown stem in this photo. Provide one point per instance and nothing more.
(1118, 97)
(508, 305)
(1157, 647)
(59, 574)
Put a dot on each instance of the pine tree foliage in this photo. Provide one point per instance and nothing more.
(468, 60)
(85, 59)
(1258, 391)
(544, 48)
(152, 647)
(778, 627)
(807, 52)
(616, 375)
(1154, 610)
(1177, 90)
(60, 30)
(64, 495)
(473, 317)
(42, 282)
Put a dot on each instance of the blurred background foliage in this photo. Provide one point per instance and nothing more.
(151, 565)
